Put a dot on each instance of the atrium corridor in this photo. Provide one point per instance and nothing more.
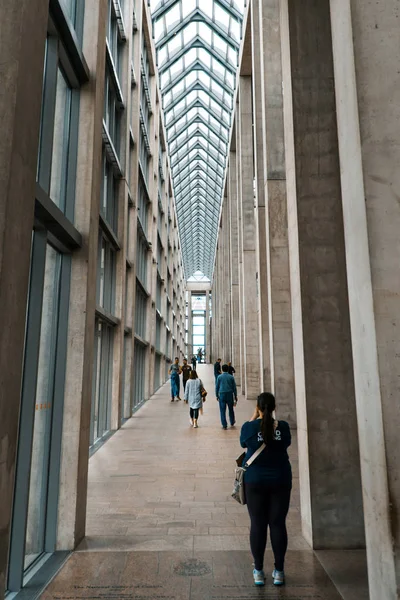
(161, 523)
(185, 182)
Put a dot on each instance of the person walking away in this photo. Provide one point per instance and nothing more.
(226, 392)
(199, 356)
(231, 370)
(217, 369)
(267, 485)
(174, 372)
(185, 373)
(194, 362)
(193, 397)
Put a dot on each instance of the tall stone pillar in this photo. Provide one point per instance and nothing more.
(367, 83)
(234, 265)
(251, 346)
(207, 349)
(81, 325)
(329, 461)
(240, 251)
(271, 185)
(261, 213)
(23, 27)
(227, 284)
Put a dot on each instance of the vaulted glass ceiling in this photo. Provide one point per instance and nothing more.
(197, 43)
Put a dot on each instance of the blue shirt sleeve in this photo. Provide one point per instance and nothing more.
(234, 387)
(286, 434)
(244, 434)
(217, 387)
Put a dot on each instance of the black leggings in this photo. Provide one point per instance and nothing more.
(268, 505)
(194, 413)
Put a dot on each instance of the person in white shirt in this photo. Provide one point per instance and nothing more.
(193, 396)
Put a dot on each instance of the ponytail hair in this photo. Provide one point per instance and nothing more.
(266, 404)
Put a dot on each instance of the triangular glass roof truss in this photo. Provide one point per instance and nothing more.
(198, 44)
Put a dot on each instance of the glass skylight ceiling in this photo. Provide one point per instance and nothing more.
(197, 43)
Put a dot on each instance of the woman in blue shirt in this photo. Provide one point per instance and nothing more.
(268, 483)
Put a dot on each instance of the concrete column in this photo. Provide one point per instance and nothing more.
(207, 349)
(365, 43)
(330, 485)
(261, 212)
(251, 348)
(240, 252)
(273, 176)
(234, 264)
(220, 295)
(80, 358)
(227, 284)
(23, 27)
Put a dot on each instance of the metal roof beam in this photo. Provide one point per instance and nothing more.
(197, 103)
(166, 5)
(195, 16)
(197, 65)
(197, 42)
(197, 146)
(197, 85)
(197, 133)
(198, 119)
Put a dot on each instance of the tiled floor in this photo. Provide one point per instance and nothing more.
(161, 522)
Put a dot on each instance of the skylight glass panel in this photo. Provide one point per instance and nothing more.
(197, 46)
(188, 6)
(207, 7)
(189, 33)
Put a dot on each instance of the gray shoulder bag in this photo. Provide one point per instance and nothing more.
(238, 485)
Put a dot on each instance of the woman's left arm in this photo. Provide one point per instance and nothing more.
(256, 414)
(288, 436)
(243, 436)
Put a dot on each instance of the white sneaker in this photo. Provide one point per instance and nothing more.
(278, 577)
(259, 577)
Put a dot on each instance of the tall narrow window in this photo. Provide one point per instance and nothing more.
(61, 136)
(37, 506)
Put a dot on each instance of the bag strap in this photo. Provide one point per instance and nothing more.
(255, 455)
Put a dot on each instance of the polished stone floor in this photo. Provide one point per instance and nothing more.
(161, 523)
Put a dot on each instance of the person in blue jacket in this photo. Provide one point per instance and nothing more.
(267, 484)
(226, 392)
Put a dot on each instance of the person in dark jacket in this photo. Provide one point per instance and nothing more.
(231, 370)
(217, 369)
(226, 393)
(194, 362)
(267, 484)
(185, 369)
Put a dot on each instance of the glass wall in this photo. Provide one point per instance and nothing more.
(54, 238)
(39, 480)
(102, 381)
(199, 324)
(109, 244)
(140, 374)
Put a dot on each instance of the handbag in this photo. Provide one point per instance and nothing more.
(203, 391)
(238, 485)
